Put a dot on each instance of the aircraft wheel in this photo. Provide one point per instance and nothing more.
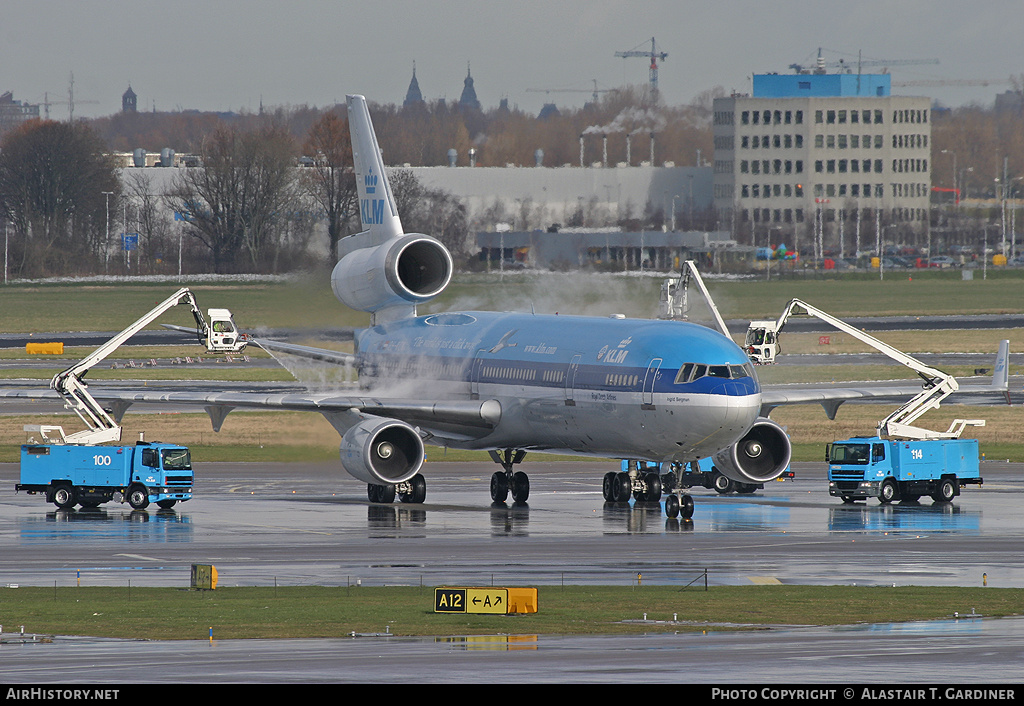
(686, 507)
(608, 487)
(417, 490)
(672, 507)
(622, 488)
(653, 482)
(499, 487)
(520, 487)
(380, 493)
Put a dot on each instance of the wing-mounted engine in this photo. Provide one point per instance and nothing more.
(390, 279)
(761, 455)
(382, 451)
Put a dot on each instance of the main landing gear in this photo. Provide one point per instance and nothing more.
(502, 482)
(413, 490)
(646, 485)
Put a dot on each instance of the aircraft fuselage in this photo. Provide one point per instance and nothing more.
(614, 387)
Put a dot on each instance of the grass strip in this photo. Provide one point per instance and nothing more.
(319, 611)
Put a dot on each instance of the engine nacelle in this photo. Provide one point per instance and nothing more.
(760, 456)
(402, 271)
(382, 451)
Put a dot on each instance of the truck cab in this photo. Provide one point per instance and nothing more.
(762, 342)
(222, 335)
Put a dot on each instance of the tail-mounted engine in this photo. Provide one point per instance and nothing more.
(382, 451)
(760, 456)
(390, 279)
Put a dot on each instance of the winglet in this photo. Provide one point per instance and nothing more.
(377, 208)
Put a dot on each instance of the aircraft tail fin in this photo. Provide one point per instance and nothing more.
(377, 208)
(1001, 371)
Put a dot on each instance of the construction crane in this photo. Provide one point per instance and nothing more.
(70, 102)
(821, 66)
(654, 55)
(595, 92)
(938, 82)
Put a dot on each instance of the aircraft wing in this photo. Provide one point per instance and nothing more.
(832, 396)
(454, 419)
(321, 354)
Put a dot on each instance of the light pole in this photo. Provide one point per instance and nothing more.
(955, 192)
(106, 244)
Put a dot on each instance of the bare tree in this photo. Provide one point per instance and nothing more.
(234, 202)
(330, 179)
(149, 210)
(55, 179)
(430, 211)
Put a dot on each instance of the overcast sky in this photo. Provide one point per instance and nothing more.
(229, 54)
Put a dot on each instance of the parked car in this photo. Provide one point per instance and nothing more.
(943, 261)
(894, 263)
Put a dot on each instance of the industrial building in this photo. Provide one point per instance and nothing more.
(814, 158)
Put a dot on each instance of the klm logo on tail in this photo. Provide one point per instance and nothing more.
(371, 211)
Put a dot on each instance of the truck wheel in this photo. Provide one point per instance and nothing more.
(945, 492)
(64, 497)
(888, 492)
(722, 484)
(138, 497)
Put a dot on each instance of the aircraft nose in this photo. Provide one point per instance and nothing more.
(744, 410)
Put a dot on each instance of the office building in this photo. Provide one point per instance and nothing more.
(813, 158)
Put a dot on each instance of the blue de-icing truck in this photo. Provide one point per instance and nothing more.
(90, 475)
(890, 470)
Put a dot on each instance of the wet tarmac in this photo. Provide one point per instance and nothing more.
(311, 523)
(296, 524)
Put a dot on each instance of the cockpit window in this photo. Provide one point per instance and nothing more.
(740, 371)
(684, 373)
(689, 372)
